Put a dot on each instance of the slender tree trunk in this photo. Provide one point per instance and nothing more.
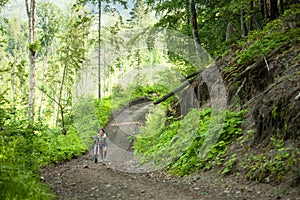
(188, 12)
(55, 115)
(262, 7)
(266, 9)
(281, 7)
(243, 24)
(195, 27)
(229, 31)
(250, 28)
(31, 12)
(99, 49)
(274, 13)
(43, 94)
(12, 83)
(61, 108)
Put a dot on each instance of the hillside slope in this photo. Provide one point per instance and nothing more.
(262, 76)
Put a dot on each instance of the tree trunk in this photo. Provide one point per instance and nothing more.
(60, 100)
(188, 13)
(281, 6)
(250, 28)
(45, 60)
(243, 24)
(31, 12)
(229, 31)
(262, 7)
(99, 49)
(273, 9)
(266, 9)
(195, 27)
(63, 130)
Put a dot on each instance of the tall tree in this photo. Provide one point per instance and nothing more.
(72, 54)
(243, 24)
(195, 27)
(274, 13)
(99, 49)
(251, 17)
(31, 13)
(48, 24)
(99, 3)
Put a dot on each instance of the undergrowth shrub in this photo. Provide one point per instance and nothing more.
(274, 35)
(121, 97)
(186, 145)
(86, 121)
(274, 163)
(25, 148)
(103, 109)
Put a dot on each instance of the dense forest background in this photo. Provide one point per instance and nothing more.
(64, 69)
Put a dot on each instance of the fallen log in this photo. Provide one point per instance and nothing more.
(188, 82)
(191, 75)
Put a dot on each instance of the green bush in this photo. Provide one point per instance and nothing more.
(27, 146)
(103, 110)
(188, 144)
(273, 36)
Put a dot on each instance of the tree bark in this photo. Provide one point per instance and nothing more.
(266, 9)
(31, 12)
(273, 9)
(281, 6)
(262, 7)
(99, 49)
(229, 31)
(195, 27)
(243, 24)
(61, 107)
(184, 85)
(250, 28)
(188, 12)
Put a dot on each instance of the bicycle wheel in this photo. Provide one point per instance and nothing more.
(96, 153)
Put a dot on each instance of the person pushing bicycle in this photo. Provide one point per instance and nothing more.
(102, 144)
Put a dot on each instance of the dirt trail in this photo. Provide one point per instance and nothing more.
(121, 178)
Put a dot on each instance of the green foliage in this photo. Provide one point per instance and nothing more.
(35, 46)
(86, 120)
(102, 109)
(273, 36)
(23, 153)
(25, 147)
(178, 145)
(151, 91)
(273, 164)
(155, 124)
(3, 2)
(49, 23)
(122, 96)
(229, 164)
(19, 183)
(61, 147)
(117, 90)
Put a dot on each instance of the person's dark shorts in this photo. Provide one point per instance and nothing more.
(103, 145)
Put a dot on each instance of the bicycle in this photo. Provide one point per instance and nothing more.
(96, 149)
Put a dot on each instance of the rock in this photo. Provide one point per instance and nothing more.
(226, 191)
(42, 179)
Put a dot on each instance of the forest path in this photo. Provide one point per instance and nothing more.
(121, 178)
